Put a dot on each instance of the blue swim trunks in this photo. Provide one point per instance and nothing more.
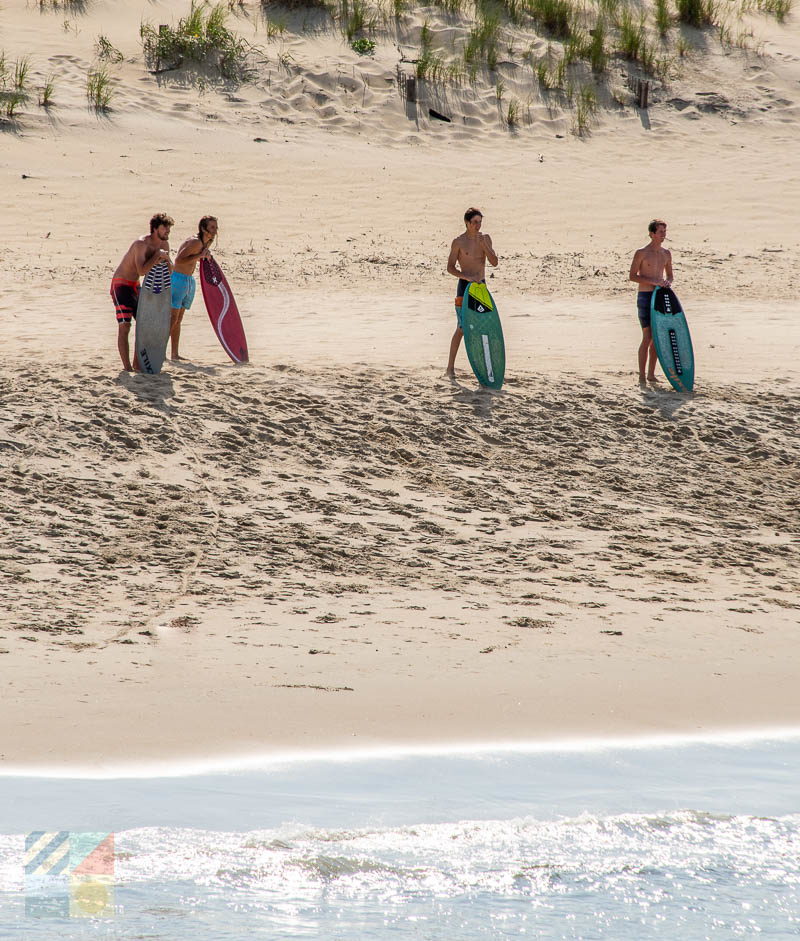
(183, 288)
(643, 299)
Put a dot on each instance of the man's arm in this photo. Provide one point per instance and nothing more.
(452, 259)
(633, 274)
(143, 266)
(668, 267)
(191, 250)
(490, 253)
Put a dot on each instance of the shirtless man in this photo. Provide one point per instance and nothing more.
(470, 253)
(651, 268)
(183, 284)
(144, 254)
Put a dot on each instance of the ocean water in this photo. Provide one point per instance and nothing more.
(676, 841)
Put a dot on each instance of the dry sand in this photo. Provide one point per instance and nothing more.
(335, 545)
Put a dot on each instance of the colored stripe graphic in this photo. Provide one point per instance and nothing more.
(46, 854)
(92, 854)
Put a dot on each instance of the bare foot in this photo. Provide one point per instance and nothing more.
(450, 373)
(642, 381)
(175, 356)
(653, 379)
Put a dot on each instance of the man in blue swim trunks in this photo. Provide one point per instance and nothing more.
(470, 252)
(651, 268)
(183, 284)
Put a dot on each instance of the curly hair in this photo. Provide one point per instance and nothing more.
(161, 218)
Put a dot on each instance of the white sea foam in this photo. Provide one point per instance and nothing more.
(271, 760)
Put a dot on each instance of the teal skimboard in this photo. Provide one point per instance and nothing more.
(672, 339)
(483, 336)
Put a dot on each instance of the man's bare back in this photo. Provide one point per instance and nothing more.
(188, 255)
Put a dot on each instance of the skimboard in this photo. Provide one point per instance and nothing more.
(672, 339)
(483, 336)
(153, 314)
(222, 310)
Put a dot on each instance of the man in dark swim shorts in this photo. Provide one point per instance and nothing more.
(126, 298)
(651, 268)
(470, 252)
(142, 255)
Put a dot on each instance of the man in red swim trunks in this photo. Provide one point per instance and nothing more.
(143, 254)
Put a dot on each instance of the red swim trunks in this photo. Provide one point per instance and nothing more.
(126, 297)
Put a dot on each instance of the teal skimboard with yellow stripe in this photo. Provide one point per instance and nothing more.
(672, 339)
(483, 336)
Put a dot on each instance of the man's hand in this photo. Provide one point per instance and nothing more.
(487, 248)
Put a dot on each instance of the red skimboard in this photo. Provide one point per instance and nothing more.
(222, 310)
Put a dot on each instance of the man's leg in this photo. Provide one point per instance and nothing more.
(175, 330)
(644, 348)
(651, 366)
(454, 345)
(123, 345)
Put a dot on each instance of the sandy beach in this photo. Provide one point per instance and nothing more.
(336, 545)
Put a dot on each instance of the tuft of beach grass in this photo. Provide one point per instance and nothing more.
(99, 88)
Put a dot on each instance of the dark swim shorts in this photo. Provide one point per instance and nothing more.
(126, 298)
(643, 299)
(463, 284)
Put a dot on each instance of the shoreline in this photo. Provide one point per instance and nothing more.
(280, 760)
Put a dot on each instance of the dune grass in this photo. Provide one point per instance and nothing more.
(355, 17)
(780, 9)
(481, 43)
(13, 84)
(586, 41)
(584, 38)
(585, 102)
(513, 113)
(67, 6)
(597, 54)
(46, 92)
(556, 17)
(201, 38)
(697, 13)
(663, 17)
(22, 68)
(99, 89)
